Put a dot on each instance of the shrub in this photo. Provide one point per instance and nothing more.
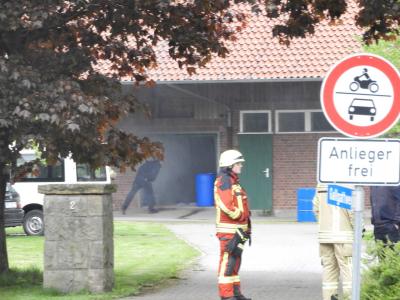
(381, 280)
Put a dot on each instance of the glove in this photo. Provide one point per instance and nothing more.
(244, 236)
(235, 245)
(232, 244)
(238, 250)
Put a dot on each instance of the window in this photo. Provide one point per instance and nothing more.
(46, 173)
(85, 173)
(292, 121)
(255, 121)
(319, 122)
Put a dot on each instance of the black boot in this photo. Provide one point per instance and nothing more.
(335, 297)
(230, 298)
(153, 210)
(241, 297)
(238, 293)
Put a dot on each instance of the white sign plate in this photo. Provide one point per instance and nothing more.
(366, 162)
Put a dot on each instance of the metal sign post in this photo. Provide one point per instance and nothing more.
(358, 205)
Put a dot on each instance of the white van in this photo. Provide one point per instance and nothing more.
(65, 171)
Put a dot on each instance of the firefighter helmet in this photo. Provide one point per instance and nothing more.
(230, 157)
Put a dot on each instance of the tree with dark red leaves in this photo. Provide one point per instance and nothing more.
(53, 98)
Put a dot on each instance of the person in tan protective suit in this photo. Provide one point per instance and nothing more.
(335, 236)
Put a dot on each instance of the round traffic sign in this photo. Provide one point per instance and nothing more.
(360, 95)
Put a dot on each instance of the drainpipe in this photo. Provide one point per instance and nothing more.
(229, 129)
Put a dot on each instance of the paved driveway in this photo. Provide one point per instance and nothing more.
(281, 264)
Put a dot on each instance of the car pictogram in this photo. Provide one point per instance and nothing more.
(363, 107)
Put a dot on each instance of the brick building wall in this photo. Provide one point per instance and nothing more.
(124, 183)
(294, 166)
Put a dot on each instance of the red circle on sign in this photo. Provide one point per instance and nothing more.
(327, 95)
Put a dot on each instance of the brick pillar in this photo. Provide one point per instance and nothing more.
(78, 249)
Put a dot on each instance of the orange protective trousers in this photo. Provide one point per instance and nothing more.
(228, 271)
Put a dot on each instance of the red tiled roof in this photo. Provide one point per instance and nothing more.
(256, 55)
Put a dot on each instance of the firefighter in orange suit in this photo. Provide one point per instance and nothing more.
(233, 223)
(335, 238)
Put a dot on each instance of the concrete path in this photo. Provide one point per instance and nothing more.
(281, 264)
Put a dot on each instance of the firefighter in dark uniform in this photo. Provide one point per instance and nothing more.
(145, 176)
(385, 206)
(233, 223)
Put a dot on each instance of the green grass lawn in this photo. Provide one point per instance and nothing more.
(146, 254)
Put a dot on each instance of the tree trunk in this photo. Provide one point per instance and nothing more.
(3, 246)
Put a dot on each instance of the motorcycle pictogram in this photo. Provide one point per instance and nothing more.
(365, 83)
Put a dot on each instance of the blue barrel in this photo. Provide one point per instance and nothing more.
(205, 189)
(305, 205)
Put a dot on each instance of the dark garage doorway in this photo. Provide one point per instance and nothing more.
(185, 156)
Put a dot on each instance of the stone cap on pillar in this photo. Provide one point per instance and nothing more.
(77, 189)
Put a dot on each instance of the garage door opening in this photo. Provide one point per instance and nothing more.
(186, 155)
